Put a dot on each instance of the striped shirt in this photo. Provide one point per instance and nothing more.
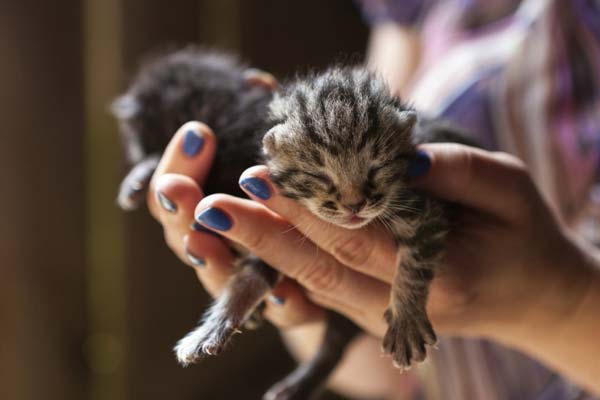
(523, 78)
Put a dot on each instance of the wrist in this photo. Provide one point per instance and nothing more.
(555, 295)
(567, 341)
(548, 295)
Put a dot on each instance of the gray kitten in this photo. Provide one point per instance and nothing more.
(338, 143)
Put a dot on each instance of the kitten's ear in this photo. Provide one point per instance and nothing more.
(260, 78)
(270, 141)
(125, 107)
(407, 119)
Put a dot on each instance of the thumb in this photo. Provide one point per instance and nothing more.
(495, 183)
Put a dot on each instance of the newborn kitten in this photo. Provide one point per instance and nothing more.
(337, 142)
(341, 146)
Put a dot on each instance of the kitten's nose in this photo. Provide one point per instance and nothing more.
(355, 208)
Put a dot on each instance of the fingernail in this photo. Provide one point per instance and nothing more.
(419, 165)
(197, 261)
(165, 202)
(199, 228)
(215, 218)
(192, 143)
(278, 301)
(257, 187)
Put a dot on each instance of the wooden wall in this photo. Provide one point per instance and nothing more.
(91, 300)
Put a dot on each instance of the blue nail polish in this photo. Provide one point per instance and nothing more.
(419, 165)
(278, 301)
(199, 228)
(165, 202)
(192, 143)
(257, 187)
(215, 218)
(197, 261)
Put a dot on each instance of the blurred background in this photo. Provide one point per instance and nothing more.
(91, 299)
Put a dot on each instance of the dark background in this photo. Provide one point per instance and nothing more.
(91, 299)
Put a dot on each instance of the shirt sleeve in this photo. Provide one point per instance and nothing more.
(402, 12)
(588, 12)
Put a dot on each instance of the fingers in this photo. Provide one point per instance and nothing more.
(177, 196)
(491, 182)
(271, 238)
(288, 306)
(369, 251)
(190, 152)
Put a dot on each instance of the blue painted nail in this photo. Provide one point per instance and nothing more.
(278, 301)
(166, 203)
(197, 261)
(192, 143)
(257, 187)
(419, 165)
(215, 218)
(200, 228)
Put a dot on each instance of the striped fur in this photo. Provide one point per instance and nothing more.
(341, 146)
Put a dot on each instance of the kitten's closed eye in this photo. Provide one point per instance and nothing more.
(329, 205)
(320, 177)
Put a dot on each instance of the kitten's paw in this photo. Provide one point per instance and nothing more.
(406, 338)
(131, 195)
(208, 339)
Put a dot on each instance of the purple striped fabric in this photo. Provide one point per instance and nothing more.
(525, 80)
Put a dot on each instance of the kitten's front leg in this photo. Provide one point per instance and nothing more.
(134, 186)
(409, 329)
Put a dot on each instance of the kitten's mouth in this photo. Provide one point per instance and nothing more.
(354, 222)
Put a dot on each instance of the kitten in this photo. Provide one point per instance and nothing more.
(341, 145)
(338, 143)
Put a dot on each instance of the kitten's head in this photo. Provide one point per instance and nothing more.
(340, 145)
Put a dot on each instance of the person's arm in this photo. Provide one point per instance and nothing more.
(510, 274)
(394, 49)
(568, 341)
(394, 52)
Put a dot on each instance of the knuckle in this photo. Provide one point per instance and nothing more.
(257, 241)
(323, 275)
(354, 251)
(152, 205)
(516, 169)
(172, 242)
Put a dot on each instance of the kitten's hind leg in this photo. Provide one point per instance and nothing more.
(306, 381)
(135, 185)
(243, 293)
(256, 319)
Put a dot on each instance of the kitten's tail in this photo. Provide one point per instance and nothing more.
(307, 380)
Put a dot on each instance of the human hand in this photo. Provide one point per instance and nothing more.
(503, 261)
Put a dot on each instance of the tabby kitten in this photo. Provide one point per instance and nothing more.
(341, 145)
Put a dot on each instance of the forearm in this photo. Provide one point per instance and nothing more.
(565, 336)
(394, 52)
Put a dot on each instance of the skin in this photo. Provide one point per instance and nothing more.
(506, 261)
(390, 43)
